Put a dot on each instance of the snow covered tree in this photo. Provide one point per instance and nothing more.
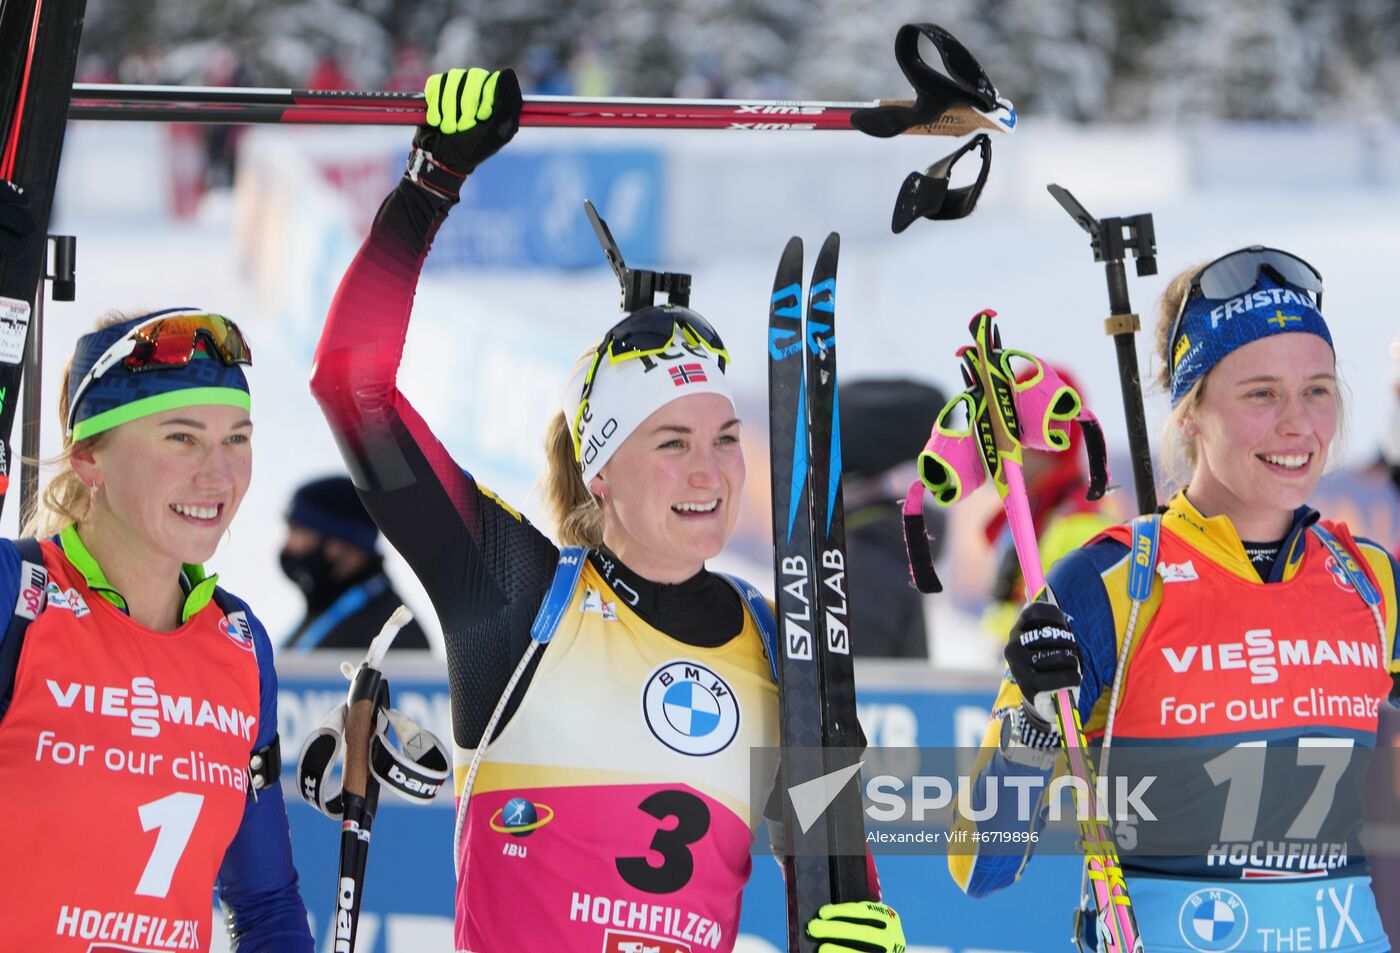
(643, 37)
(1244, 60)
(847, 51)
(1365, 83)
(747, 47)
(1055, 59)
(1125, 60)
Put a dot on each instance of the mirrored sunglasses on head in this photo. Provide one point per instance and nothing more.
(175, 340)
(168, 340)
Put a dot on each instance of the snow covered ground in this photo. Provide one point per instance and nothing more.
(731, 202)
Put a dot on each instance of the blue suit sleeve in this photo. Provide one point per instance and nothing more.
(1076, 582)
(9, 583)
(1078, 586)
(1020, 806)
(257, 882)
(9, 595)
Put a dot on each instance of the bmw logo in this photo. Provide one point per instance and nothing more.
(1213, 920)
(690, 709)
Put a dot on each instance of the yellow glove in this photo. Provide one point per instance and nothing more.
(861, 925)
(471, 114)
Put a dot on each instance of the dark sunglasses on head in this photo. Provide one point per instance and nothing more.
(1236, 273)
(644, 333)
(648, 332)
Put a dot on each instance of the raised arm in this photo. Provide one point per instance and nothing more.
(474, 555)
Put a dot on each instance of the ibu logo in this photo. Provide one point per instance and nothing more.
(521, 816)
(1213, 920)
(690, 709)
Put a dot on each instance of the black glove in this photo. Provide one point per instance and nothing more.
(472, 113)
(1043, 655)
(16, 221)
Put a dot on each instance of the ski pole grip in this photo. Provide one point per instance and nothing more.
(956, 121)
(359, 729)
(357, 734)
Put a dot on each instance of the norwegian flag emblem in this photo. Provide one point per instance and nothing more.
(683, 374)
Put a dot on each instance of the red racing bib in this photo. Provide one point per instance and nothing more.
(123, 773)
(1226, 655)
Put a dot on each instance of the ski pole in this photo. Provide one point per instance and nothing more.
(369, 694)
(1110, 245)
(988, 376)
(322, 107)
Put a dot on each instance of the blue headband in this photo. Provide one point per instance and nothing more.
(1211, 329)
(120, 395)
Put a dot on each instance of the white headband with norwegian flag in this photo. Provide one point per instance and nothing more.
(628, 391)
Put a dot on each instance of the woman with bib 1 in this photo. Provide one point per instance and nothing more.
(138, 704)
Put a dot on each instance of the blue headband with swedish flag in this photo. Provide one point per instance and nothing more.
(1210, 329)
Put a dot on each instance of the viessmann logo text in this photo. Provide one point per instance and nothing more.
(148, 709)
(1263, 656)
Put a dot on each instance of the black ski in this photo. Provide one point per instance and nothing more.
(817, 705)
(841, 732)
(799, 665)
(16, 25)
(41, 121)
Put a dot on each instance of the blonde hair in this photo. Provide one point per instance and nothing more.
(1176, 460)
(65, 499)
(1178, 455)
(576, 511)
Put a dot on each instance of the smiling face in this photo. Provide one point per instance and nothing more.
(670, 494)
(1262, 430)
(168, 485)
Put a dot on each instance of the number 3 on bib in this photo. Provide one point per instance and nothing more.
(673, 844)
